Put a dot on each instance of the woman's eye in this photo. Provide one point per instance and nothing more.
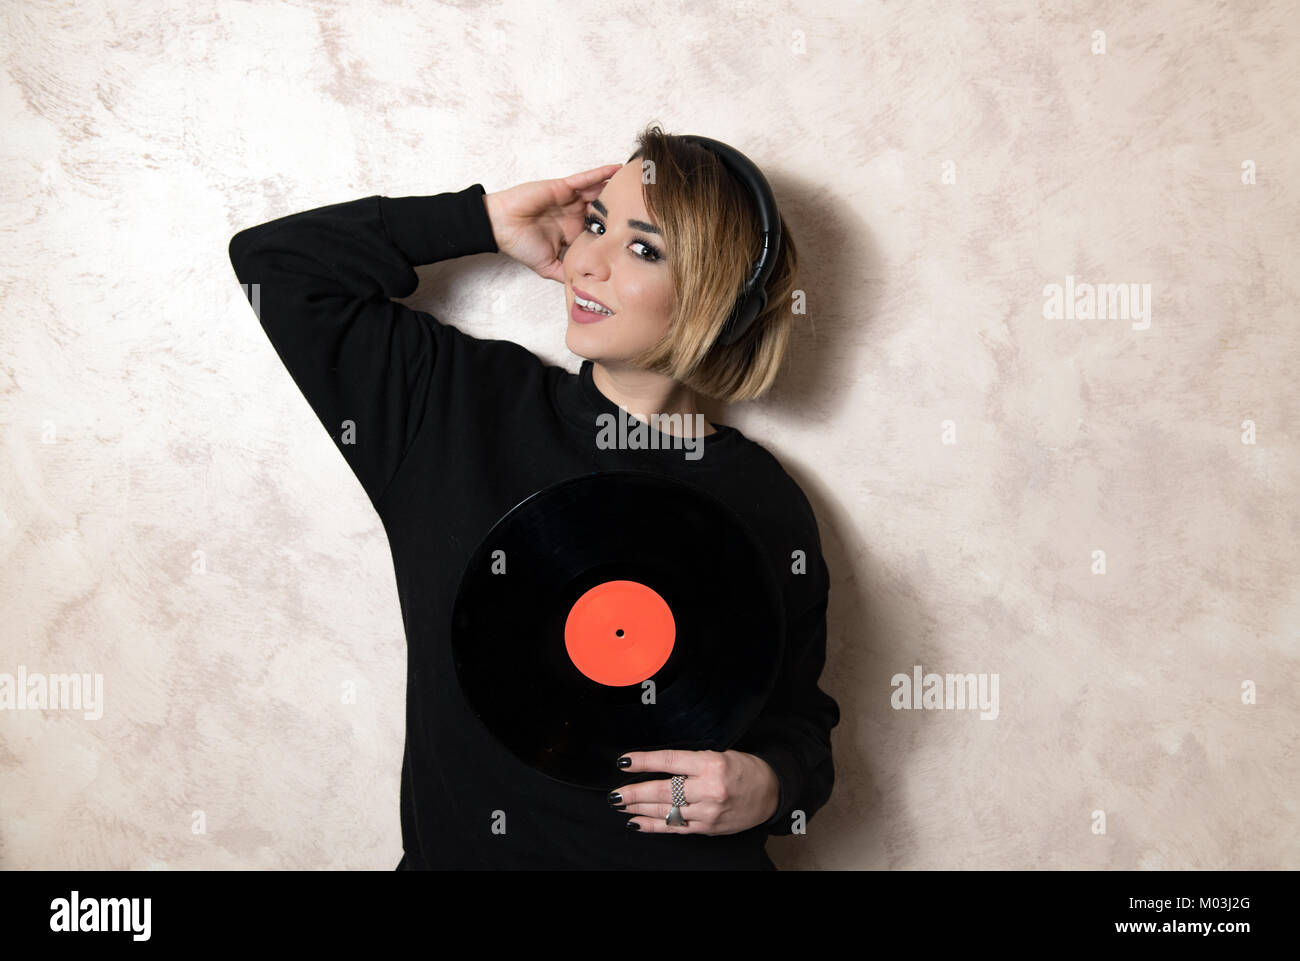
(652, 253)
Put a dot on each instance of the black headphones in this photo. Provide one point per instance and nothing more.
(753, 298)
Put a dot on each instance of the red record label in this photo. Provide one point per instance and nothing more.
(619, 633)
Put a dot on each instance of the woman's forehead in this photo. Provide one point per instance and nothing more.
(624, 194)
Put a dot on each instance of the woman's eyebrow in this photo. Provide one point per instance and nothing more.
(634, 224)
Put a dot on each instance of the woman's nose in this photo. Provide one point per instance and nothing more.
(590, 259)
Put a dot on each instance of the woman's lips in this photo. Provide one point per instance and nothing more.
(581, 316)
(592, 300)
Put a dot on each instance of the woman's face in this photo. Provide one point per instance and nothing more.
(618, 260)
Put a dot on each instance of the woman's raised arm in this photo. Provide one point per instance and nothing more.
(321, 281)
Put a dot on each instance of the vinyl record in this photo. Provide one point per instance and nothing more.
(591, 587)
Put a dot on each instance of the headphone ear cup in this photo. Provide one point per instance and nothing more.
(754, 298)
(742, 317)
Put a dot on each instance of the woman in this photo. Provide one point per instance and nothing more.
(447, 432)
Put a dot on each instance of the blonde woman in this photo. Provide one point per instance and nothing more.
(447, 432)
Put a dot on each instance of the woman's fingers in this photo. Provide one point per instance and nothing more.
(588, 178)
(690, 763)
(587, 185)
(555, 271)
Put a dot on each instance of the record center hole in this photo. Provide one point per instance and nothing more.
(619, 632)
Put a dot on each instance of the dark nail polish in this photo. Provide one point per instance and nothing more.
(633, 826)
(614, 798)
(620, 807)
(624, 762)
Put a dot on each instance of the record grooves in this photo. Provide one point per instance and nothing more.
(538, 651)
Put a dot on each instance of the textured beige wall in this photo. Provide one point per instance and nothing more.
(173, 519)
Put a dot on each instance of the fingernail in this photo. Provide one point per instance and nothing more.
(624, 762)
(633, 826)
(620, 807)
(614, 798)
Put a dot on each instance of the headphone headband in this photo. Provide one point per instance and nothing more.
(753, 298)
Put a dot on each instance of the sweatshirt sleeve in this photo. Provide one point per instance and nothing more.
(793, 733)
(321, 284)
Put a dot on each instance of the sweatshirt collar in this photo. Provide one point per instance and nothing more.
(581, 402)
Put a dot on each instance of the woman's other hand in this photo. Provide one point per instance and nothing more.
(726, 791)
(534, 222)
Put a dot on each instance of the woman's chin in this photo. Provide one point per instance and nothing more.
(583, 342)
(598, 343)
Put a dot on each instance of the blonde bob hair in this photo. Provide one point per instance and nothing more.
(711, 236)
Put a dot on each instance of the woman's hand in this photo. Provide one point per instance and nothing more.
(726, 791)
(535, 221)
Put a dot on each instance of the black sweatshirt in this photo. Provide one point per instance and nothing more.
(446, 433)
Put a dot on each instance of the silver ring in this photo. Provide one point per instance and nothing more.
(675, 818)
